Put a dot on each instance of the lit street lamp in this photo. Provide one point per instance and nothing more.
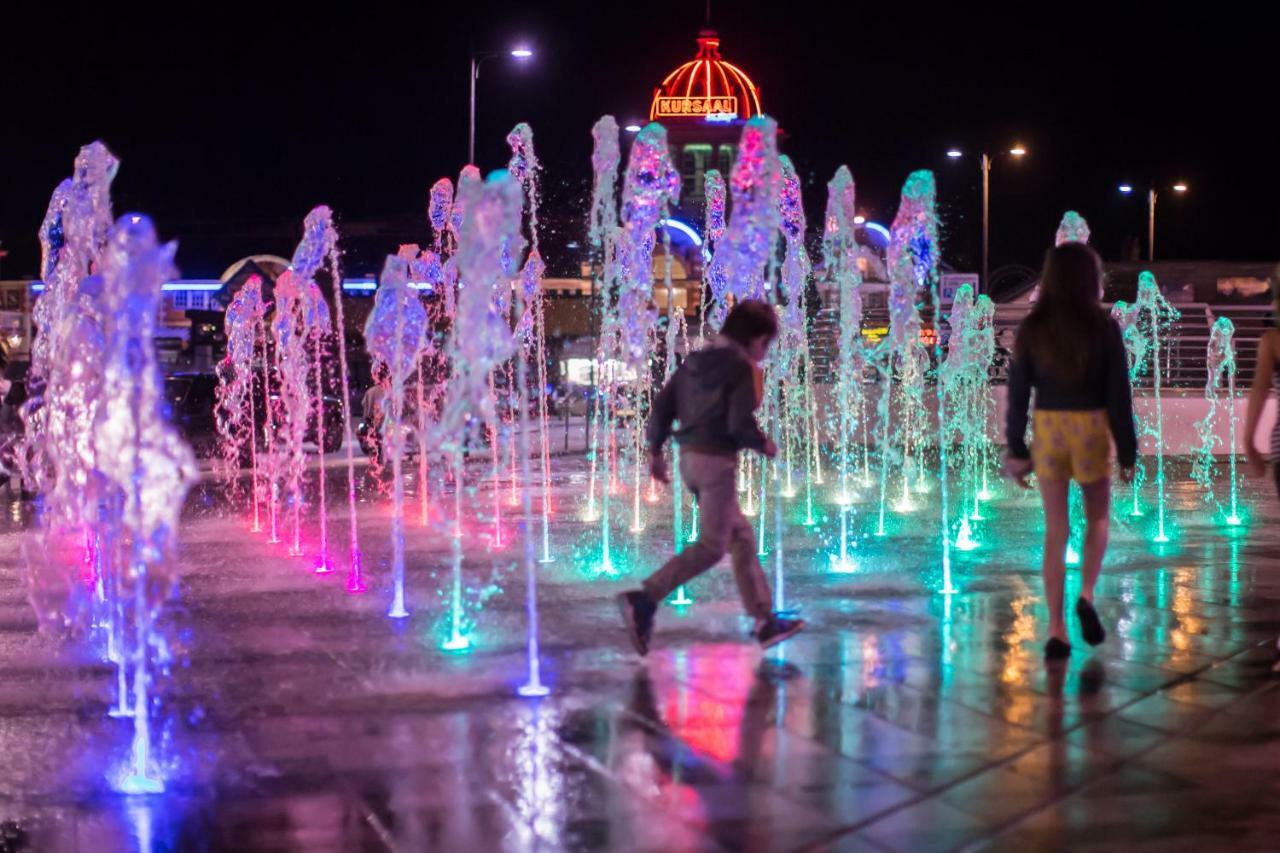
(521, 53)
(1127, 189)
(1017, 151)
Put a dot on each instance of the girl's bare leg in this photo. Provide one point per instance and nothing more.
(1097, 513)
(1053, 495)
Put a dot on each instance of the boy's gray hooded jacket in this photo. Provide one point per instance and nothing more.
(713, 396)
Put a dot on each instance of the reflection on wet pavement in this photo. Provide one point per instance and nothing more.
(299, 718)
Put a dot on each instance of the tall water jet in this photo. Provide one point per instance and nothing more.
(73, 561)
(1220, 362)
(750, 239)
(605, 157)
(913, 270)
(840, 258)
(319, 248)
(790, 365)
(489, 246)
(985, 332)
(313, 327)
(299, 311)
(650, 187)
(524, 167)
(715, 283)
(676, 335)
(237, 415)
(440, 314)
(395, 335)
(901, 360)
(65, 376)
(425, 271)
(146, 467)
(72, 238)
(1144, 326)
(964, 383)
(531, 281)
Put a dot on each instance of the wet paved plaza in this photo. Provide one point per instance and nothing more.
(298, 717)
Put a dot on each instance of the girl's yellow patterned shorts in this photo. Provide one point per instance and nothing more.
(1071, 445)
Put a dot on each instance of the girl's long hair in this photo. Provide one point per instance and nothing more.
(1066, 325)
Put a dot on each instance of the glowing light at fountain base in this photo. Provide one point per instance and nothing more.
(843, 566)
(456, 643)
(965, 540)
(532, 690)
(355, 580)
(681, 598)
(135, 783)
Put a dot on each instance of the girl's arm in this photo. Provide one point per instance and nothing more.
(1120, 400)
(1018, 393)
(1264, 371)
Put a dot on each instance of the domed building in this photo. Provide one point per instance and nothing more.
(703, 104)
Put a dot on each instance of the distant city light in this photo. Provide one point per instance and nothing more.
(181, 285)
(879, 229)
(953, 153)
(1126, 188)
(683, 229)
(632, 128)
(859, 220)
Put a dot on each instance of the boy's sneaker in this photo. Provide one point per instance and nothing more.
(637, 613)
(776, 629)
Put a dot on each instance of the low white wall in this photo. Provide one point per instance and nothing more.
(1182, 408)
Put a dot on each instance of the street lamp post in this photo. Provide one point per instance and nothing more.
(477, 58)
(1126, 189)
(986, 226)
(1151, 225)
(984, 164)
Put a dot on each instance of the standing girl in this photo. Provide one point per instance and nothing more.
(1070, 351)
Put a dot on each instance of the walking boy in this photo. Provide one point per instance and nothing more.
(714, 395)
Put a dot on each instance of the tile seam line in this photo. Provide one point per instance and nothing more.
(1005, 827)
(1213, 714)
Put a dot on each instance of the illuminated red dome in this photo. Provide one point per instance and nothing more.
(706, 88)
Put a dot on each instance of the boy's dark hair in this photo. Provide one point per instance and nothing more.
(748, 320)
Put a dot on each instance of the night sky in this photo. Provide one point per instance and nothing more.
(230, 125)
